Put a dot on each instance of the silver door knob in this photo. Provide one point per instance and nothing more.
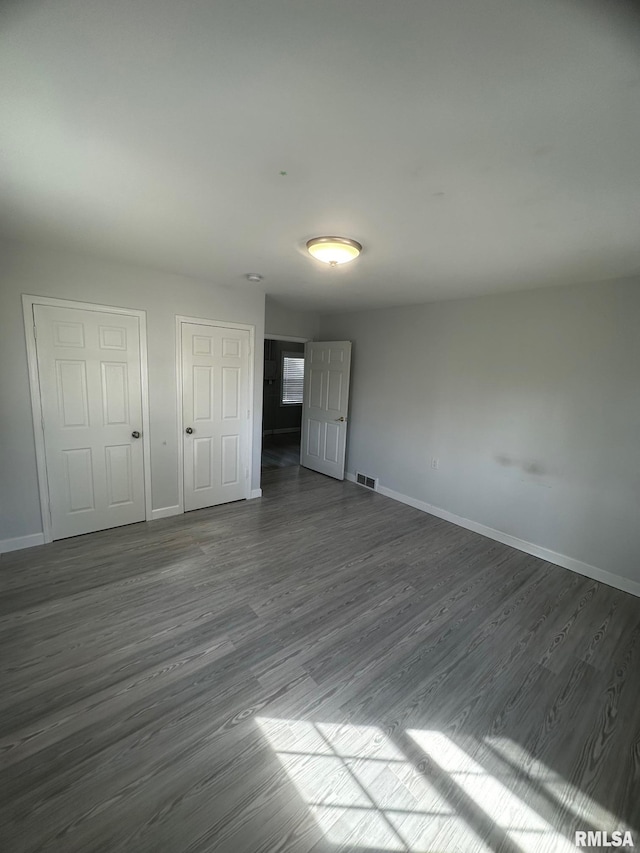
(135, 434)
(341, 419)
(188, 430)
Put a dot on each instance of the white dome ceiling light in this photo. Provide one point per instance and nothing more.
(334, 250)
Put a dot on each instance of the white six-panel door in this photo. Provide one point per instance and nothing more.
(327, 366)
(91, 399)
(215, 414)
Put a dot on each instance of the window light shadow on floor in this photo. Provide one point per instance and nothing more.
(362, 790)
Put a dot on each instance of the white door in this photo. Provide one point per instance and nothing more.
(326, 403)
(91, 395)
(215, 414)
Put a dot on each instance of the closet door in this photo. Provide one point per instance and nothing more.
(216, 414)
(91, 398)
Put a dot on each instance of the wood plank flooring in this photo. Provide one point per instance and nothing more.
(320, 670)
(280, 451)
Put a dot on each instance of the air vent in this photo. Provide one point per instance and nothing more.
(365, 480)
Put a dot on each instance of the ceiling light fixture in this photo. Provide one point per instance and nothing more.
(334, 250)
(254, 277)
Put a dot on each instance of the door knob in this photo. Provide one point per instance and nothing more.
(341, 419)
(135, 434)
(188, 430)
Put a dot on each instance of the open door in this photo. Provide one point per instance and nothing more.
(325, 406)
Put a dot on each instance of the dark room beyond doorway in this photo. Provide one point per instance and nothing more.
(282, 403)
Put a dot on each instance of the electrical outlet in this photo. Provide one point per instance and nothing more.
(435, 462)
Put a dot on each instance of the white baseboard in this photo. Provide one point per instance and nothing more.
(21, 542)
(165, 512)
(255, 493)
(593, 572)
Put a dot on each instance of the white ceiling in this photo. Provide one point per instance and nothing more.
(472, 146)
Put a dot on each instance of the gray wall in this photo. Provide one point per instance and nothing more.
(530, 401)
(162, 296)
(283, 321)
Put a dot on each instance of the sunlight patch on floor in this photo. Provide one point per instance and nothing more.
(561, 792)
(522, 824)
(362, 790)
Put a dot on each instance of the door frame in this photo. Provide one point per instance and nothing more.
(291, 338)
(28, 302)
(294, 340)
(248, 327)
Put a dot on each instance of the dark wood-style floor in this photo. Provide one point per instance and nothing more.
(322, 669)
(280, 451)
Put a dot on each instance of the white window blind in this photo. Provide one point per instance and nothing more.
(292, 378)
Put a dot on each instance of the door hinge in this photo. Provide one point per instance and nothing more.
(248, 413)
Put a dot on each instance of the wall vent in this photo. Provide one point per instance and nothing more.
(365, 480)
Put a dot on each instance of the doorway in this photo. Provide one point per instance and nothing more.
(283, 387)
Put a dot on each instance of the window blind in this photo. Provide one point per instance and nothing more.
(292, 378)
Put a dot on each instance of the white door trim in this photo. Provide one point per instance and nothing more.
(291, 338)
(28, 301)
(180, 319)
